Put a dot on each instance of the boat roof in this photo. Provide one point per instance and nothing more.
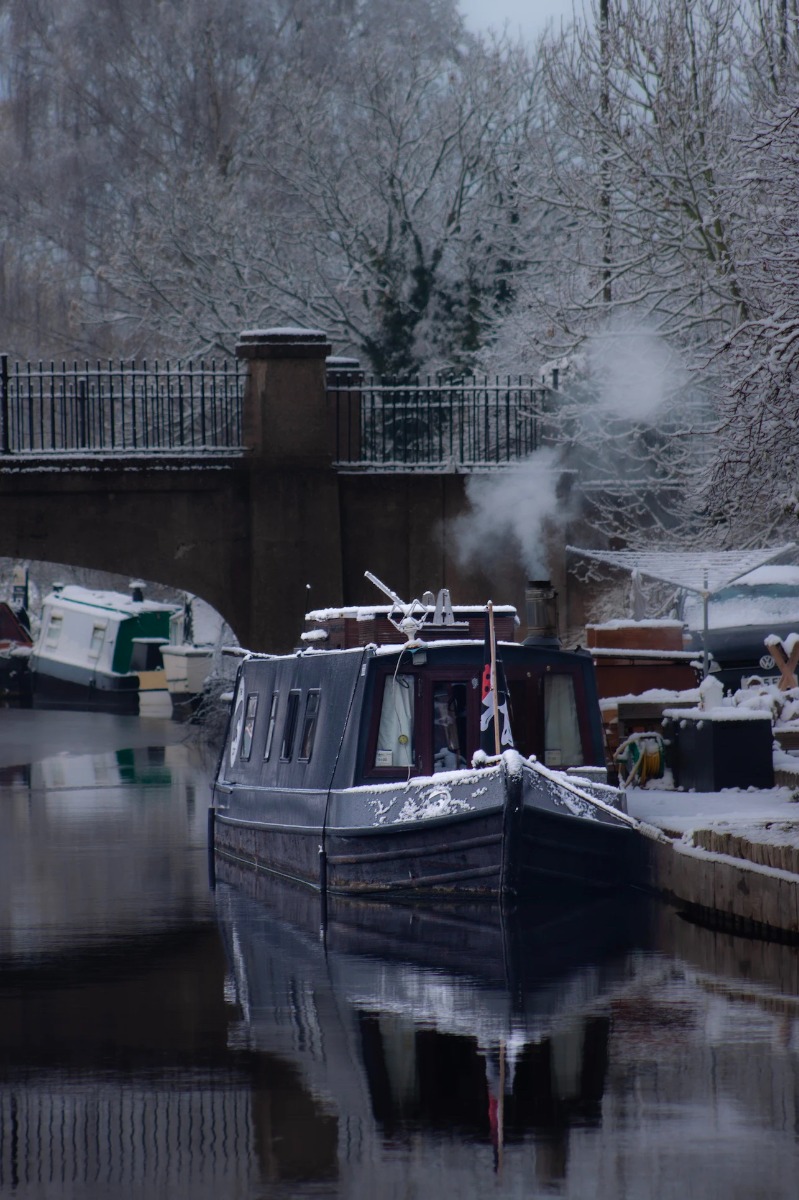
(80, 598)
(367, 612)
(419, 644)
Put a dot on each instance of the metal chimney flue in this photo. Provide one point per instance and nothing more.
(541, 613)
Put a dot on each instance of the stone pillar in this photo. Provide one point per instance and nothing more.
(295, 530)
(285, 403)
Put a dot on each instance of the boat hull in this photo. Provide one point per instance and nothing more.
(86, 693)
(485, 836)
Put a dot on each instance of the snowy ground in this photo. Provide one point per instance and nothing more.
(746, 811)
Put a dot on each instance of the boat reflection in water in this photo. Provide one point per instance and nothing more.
(456, 1021)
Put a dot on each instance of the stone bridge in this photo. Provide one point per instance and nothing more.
(261, 534)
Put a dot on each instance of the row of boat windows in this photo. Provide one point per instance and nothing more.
(289, 729)
(395, 744)
(56, 624)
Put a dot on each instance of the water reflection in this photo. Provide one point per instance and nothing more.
(556, 1052)
(158, 1038)
(454, 1022)
(101, 846)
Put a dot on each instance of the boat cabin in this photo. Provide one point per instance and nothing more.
(368, 713)
(92, 645)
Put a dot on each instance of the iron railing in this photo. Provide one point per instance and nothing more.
(150, 408)
(123, 408)
(436, 424)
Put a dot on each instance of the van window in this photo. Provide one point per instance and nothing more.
(249, 725)
(289, 727)
(309, 726)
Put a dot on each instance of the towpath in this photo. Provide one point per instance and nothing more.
(731, 857)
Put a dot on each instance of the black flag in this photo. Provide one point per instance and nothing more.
(488, 741)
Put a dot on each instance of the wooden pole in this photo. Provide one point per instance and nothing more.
(497, 743)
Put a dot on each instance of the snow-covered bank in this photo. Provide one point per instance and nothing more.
(730, 857)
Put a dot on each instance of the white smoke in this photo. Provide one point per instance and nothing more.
(623, 374)
(512, 512)
(632, 372)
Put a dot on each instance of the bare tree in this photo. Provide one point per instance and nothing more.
(373, 199)
(755, 486)
(642, 102)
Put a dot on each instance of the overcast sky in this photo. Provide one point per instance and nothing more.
(528, 16)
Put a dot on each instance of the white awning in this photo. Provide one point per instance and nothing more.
(702, 571)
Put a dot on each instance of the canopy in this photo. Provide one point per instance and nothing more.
(702, 571)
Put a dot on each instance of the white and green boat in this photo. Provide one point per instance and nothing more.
(99, 650)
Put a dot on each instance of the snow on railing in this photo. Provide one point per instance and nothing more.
(122, 408)
(435, 424)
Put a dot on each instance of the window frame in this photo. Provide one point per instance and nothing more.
(100, 627)
(55, 625)
(245, 743)
(578, 693)
(274, 707)
(290, 725)
(425, 680)
(309, 724)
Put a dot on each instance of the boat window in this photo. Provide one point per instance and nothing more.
(249, 725)
(449, 725)
(309, 725)
(395, 734)
(290, 726)
(562, 742)
(270, 732)
(98, 635)
(54, 630)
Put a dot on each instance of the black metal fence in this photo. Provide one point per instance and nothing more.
(433, 424)
(132, 408)
(122, 408)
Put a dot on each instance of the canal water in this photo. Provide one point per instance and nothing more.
(171, 1032)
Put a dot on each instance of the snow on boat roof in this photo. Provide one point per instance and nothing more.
(82, 597)
(380, 650)
(647, 623)
(367, 612)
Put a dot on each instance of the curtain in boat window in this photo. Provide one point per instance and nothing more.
(395, 735)
(562, 743)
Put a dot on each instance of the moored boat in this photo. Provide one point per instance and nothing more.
(15, 650)
(359, 769)
(99, 650)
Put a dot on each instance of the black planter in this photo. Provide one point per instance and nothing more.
(708, 753)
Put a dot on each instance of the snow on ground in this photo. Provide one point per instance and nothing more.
(760, 814)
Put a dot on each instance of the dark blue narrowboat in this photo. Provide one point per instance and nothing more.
(358, 768)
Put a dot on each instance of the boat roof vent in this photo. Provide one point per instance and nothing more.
(136, 588)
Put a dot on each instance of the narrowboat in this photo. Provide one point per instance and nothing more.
(15, 649)
(360, 769)
(100, 650)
